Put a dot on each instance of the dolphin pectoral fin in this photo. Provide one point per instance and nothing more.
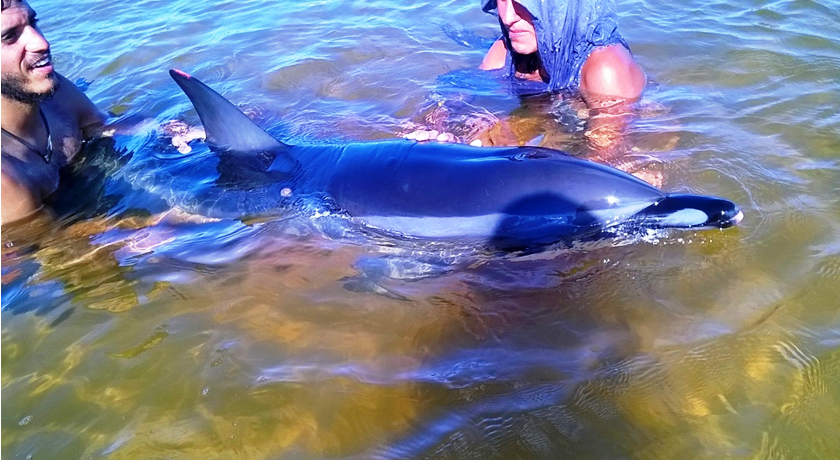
(372, 272)
(226, 126)
(365, 284)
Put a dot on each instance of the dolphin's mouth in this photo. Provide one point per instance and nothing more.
(734, 220)
(723, 222)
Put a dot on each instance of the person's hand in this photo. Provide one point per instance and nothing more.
(182, 134)
(654, 178)
(642, 165)
(422, 135)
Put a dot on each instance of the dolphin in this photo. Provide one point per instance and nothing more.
(511, 198)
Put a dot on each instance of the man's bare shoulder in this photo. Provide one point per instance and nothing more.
(77, 106)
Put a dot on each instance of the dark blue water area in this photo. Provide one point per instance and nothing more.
(16, 295)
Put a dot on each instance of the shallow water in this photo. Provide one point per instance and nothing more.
(275, 338)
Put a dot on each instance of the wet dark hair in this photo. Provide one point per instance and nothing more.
(10, 3)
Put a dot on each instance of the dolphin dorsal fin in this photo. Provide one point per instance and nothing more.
(227, 128)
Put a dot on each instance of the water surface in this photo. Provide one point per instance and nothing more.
(124, 337)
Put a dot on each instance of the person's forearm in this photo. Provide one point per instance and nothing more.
(17, 200)
(606, 130)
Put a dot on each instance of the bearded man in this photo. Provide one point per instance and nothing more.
(45, 117)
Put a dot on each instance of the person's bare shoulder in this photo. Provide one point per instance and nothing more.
(89, 118)
(612, 71)
(495, 58)
(16, 199)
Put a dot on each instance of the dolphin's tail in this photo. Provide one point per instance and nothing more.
(226, 127)
(690, 211)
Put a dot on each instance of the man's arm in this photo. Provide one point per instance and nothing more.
(16, 200)
(94, 123)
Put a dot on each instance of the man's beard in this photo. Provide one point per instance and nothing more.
(14, 88)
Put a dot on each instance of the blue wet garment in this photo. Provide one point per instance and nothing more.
(567, 32)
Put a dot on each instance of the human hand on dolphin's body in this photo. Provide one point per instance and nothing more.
(422, 135)
(182, 134)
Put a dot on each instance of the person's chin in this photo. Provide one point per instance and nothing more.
(524, 49)
(45, 83)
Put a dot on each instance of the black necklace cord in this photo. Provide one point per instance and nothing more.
(47, 156)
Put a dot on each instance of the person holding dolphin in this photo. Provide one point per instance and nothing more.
(45, 117)
(566, 47)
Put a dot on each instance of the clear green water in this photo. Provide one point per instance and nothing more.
(239, 341)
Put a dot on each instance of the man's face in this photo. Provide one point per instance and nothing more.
(27, 70)
(519, 24)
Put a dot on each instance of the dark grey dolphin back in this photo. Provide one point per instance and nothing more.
(228, 129)
(405, 178)
(226, 126)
